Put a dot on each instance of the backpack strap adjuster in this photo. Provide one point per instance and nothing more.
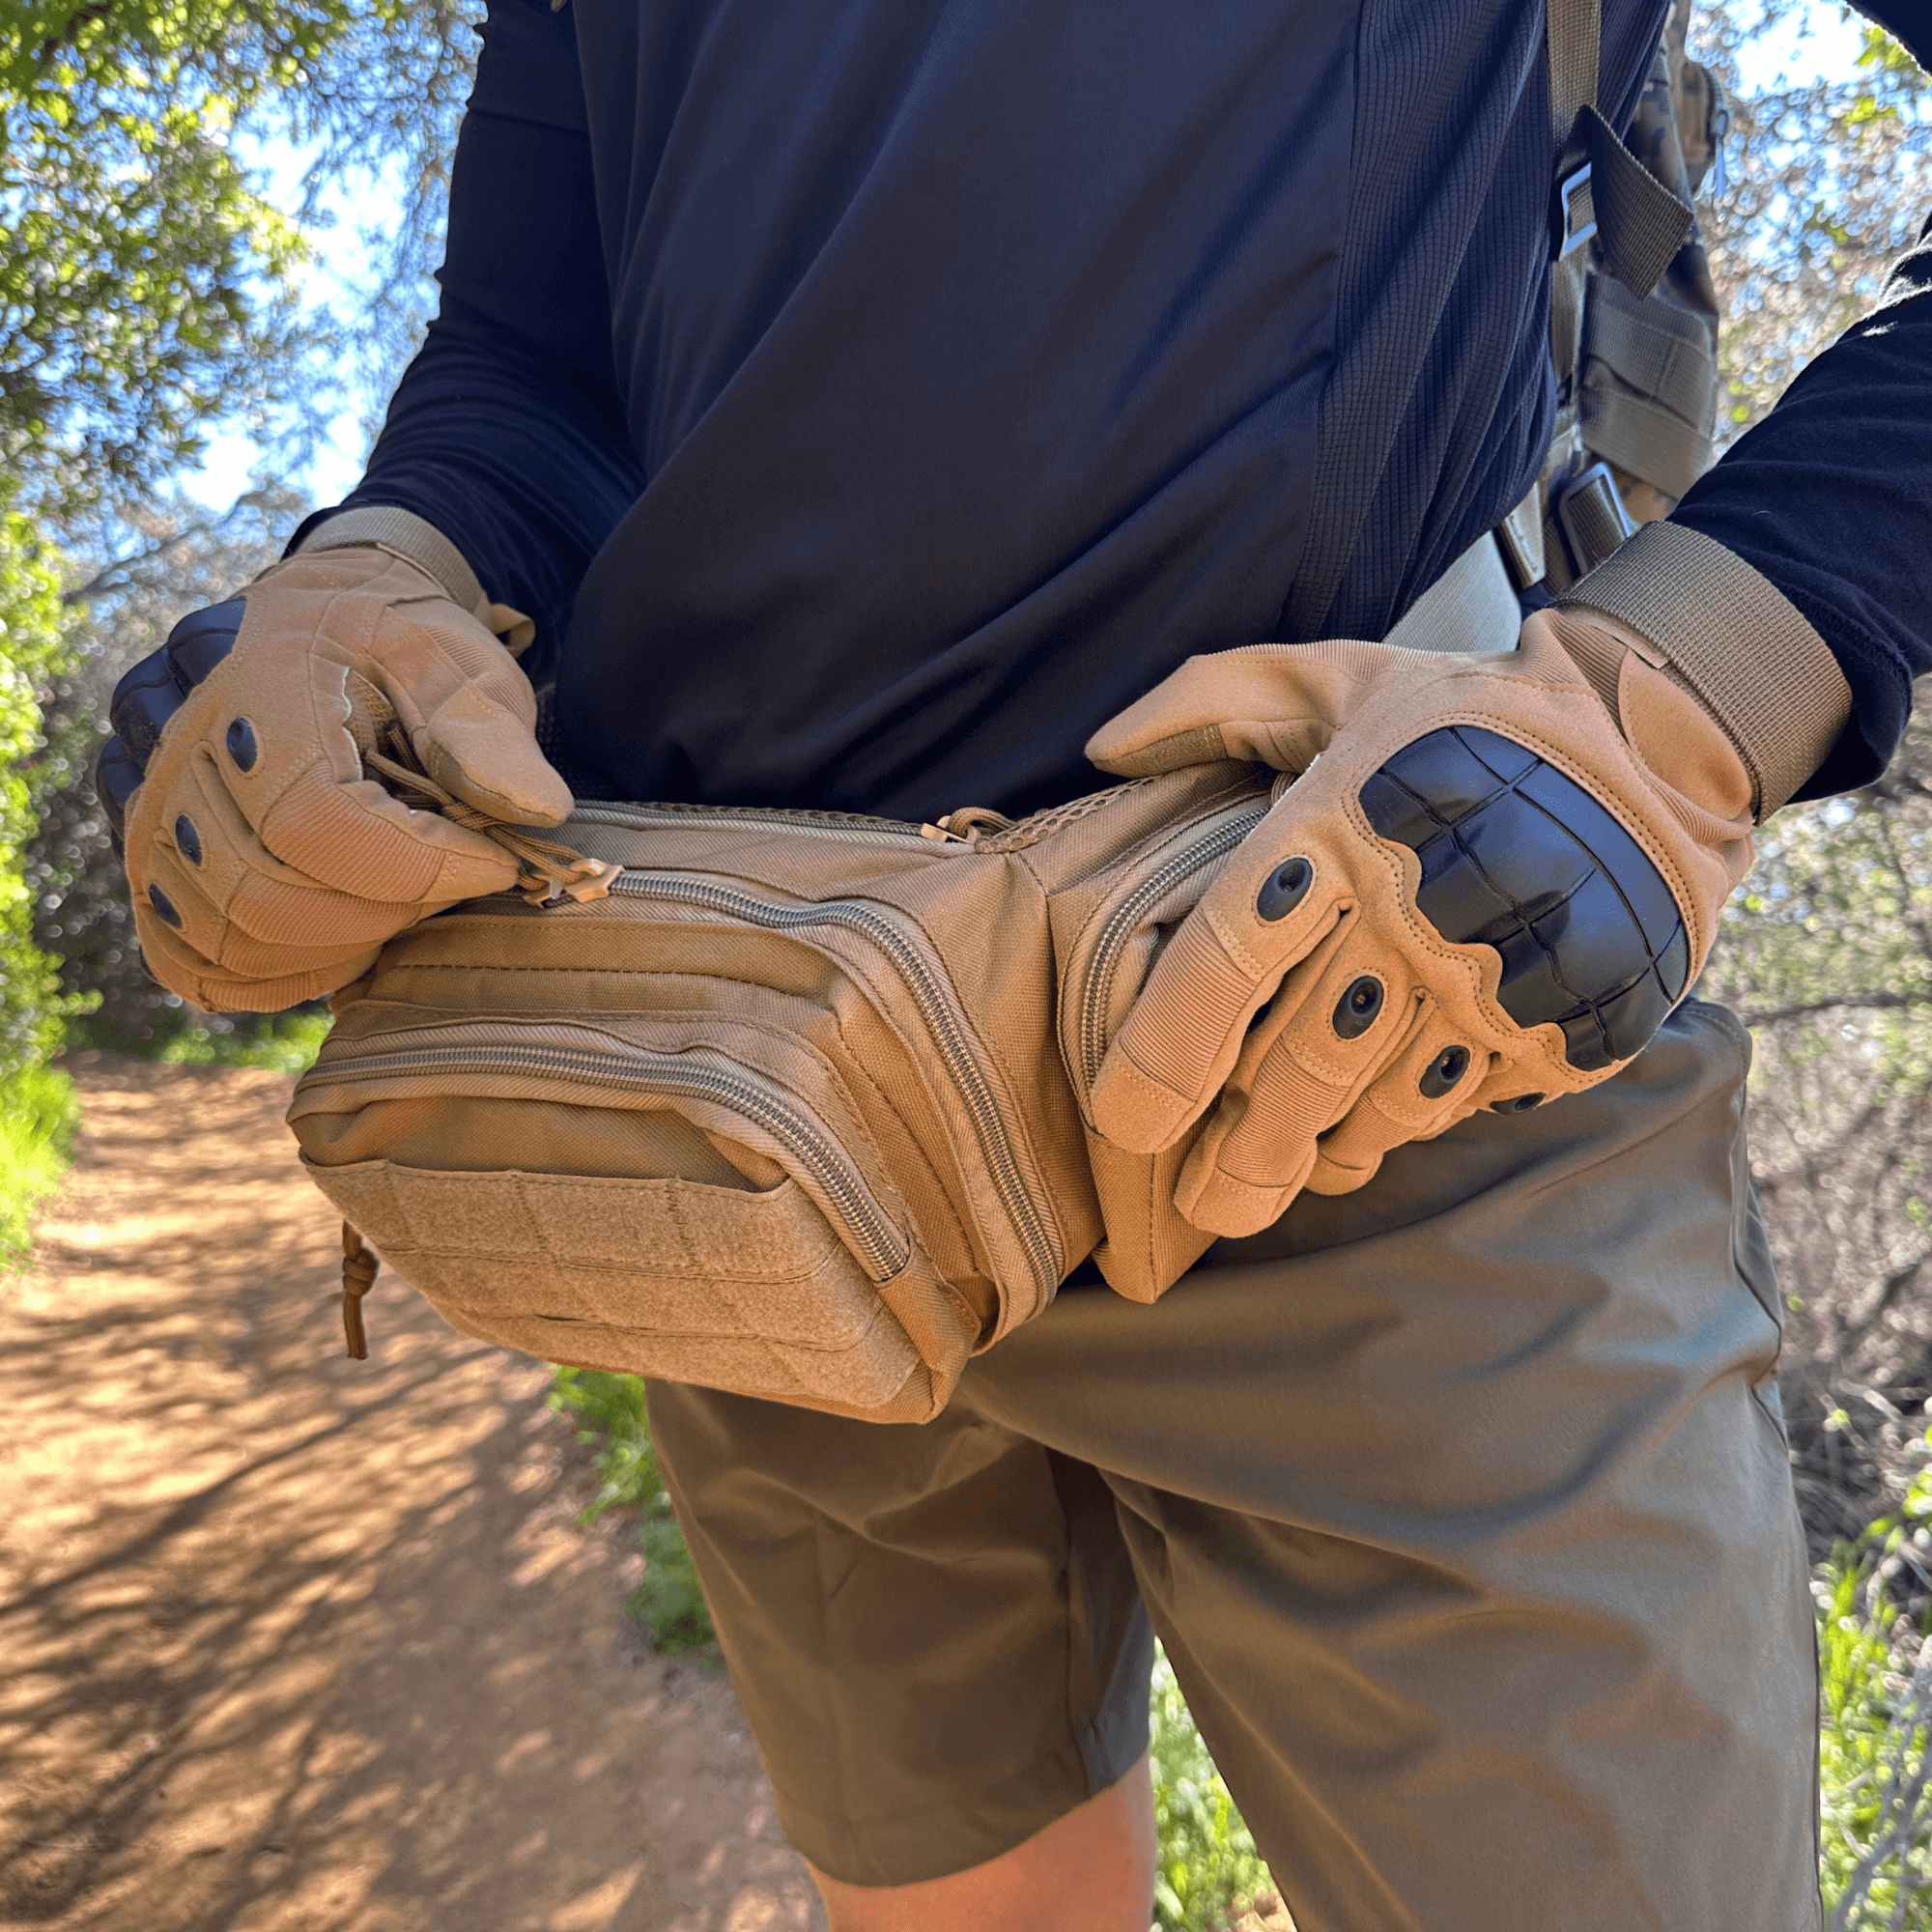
(1573, 212)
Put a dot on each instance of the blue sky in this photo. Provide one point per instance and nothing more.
(1820, 38)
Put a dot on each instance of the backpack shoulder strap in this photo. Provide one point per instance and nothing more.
(1601, 186)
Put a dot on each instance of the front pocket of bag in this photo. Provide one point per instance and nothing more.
(797, 1283)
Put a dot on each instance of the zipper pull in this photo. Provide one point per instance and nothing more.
(579, 880)
(964, 826)
(358, 1275)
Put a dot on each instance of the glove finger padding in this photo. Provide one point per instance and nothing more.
(260, 854)
(1514, 876)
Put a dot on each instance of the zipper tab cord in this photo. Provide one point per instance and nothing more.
(358, 1275)
(548, 870)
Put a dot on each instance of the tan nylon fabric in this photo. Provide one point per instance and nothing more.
(797, 1109)
(1234, 1023)
(408, 536)
(1738, 641)
(296, 862)
(1640, 224)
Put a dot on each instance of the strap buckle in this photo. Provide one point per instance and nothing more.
(1573, 212)
(1590, 516)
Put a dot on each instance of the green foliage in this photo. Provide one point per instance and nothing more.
(37, 1117)
(1209, 1870)
(35, 646)
(669, 1602)
(148, 288)
(288, 1042)
(36, 1103)
(1875, 1676)
(142, 290)
(1827, 181)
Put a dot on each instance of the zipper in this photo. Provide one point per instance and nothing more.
(846, 826)
(937, 1009)
(882, 1248)
(1121, 924)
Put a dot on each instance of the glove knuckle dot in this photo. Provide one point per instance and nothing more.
(1284, 889)
(1521, 1104)
(1443, 1073)
(242, 745)
(187, 841)
(164, 907)
(1518, 856)
(1359, 1007)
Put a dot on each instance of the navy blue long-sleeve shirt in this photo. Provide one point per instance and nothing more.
(869, 398)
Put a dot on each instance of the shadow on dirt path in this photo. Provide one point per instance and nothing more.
(290, 1643)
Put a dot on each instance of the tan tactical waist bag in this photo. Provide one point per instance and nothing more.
(795, 1109)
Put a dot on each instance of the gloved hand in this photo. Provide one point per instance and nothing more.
(1493, 880)
(266, 866)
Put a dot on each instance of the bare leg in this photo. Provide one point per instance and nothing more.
(1090, 1871)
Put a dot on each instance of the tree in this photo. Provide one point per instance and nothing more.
(146, 288)
(1826, 951)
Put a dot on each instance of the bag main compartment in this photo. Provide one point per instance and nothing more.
(811, 1067)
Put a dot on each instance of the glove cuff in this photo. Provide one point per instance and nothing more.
(409, 536)
(1740, 644)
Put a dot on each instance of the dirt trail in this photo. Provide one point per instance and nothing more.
(290, 1643)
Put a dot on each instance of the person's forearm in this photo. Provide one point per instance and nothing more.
(1830, 497)
(507, 432)
(524, 468)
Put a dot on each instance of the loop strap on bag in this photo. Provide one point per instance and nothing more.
(1600, 186)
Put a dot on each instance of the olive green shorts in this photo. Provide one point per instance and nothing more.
(1460, 1503)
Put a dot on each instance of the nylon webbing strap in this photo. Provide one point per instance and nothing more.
(1640, 224)
(1633, 432)
(1739, 642)
(1575, 30)
(1659, 350)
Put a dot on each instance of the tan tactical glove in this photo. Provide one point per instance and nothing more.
(267, 866)
(1493, 880)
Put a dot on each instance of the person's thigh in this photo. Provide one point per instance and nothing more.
(934, 1630)
(1462, 1509)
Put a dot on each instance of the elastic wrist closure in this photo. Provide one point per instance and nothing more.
(409, 536)
(1740, 644)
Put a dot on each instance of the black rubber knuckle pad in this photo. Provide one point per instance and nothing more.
(241, 744)
(1518, 856)
(203, 639)
(116, 779)
(143, 702)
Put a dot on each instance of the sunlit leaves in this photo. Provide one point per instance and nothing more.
(146, 288)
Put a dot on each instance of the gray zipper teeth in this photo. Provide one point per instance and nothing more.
(850, 827)
(1127, 915)
(884, 1248)
(1037, 1235)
